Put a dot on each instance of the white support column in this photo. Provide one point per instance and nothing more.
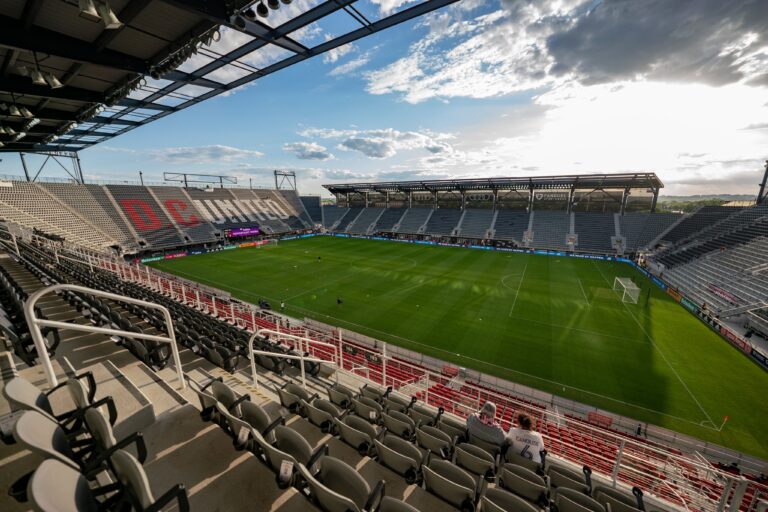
(184, 294)
(197, 298)
(253, 320)
(617, 465)
(16, 245)
(341, 352)
(215, 310)
(232, 311)
(384, 364)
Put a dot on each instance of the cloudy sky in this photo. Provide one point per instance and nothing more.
(489, 88)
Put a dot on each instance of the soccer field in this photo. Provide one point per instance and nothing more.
(552, 323)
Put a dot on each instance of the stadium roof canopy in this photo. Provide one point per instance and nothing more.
(74, 73)
(564, 182)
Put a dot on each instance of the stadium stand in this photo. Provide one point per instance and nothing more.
(413, 220)
(313, 208)
(595, 231)
(704, 217)
(298, 217)
(348, 218)
(443, 222)
(389, 219)
(510, 225)
(640, 229)
(31, 206)
(146, 216)
(90, 201)
(186, 217)
(550, 229)
(364, 221)
(476, 223)
(225, 402)
(332, 215)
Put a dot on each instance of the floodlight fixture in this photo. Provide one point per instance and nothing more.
(51, 79)
(108, 16)
(262, 10)
(88, 10)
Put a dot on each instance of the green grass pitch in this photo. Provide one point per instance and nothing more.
(552, 323)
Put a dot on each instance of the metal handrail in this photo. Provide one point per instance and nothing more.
(300, 358)
(42, 351)
(308, 340)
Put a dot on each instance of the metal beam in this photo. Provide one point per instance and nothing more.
(181, 76)
(21, 85)
(216, 12)
(36, 39)
(138, 104)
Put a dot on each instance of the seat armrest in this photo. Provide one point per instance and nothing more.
(375, 498)
(178, 493)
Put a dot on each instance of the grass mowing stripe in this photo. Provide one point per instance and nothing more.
(653, 343)
(454, 304)
(517, 292)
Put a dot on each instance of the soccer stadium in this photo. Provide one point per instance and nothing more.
(509, 341)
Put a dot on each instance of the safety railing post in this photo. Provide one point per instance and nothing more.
(384, 365)
(42, 351)
(617, 466)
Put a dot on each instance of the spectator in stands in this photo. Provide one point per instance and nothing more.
(639, 430)
(522, 440)
(483, 425)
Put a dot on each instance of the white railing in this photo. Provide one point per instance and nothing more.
(646, 454)
(42, 351)
(301, 358)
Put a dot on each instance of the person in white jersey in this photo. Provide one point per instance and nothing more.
(523, 441)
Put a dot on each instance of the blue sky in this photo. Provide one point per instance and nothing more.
(491, 88)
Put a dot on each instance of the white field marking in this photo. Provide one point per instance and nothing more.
(517, 292)
(503, 280)
(453, 354)
(583, 292)
(653, 344)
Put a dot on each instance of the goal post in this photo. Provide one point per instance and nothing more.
(630, 293)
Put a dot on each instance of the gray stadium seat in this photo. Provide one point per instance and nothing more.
(43, 436)
(434, 441)
(450, 483)
(207, 400)
(289, 448)
(423, 414)
(367, 408)
(341, 395)
(517, 459)
(571, 500)
(525, 483)
(399, 424)
(564, 478)
(104, 438)
(375, 393)
(136, 489)
(452, 427)
(397, 403)
(321, 413)
(389, 504)
(615, 500)
(57, 487)
(476, 461)
(337, 487)
(291, 396)
(400, 456)
(499, 500)
(493, 449)
(357, 432)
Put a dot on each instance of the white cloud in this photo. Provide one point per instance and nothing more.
(202, 154)
(308, 151)
(384, 142)
(352, 65)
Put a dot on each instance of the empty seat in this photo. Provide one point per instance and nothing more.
(450, 483)
(564, 478)
(476, 461)
(571, 500)
(616, 500)
(357, 432)
(525, 483)
(136, 491)
(337, 487)
(321, 413)
(399, 424)
(434, 441)
(499, 500)
(291, 396)
(400, 456)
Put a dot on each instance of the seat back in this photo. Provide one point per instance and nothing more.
(321, 413)
(450, 483)
(133, 478)
(340, 395)
(563, 478)
(393, 402)
(389, 504)
(499, 500)
(22, 394)
(614, 500)
(572, 500)
(398, 423)
(291, 442)
(224, 394)
(525, 483)
(475, 460)
(43, 436)
(422, 414)
(328, 499)
(256, 416)
(434, 440)
(356, 432)
(374, 393)
(367, 408)
(519, 460)
(452, 427)
(493, 449)
(100, 429)
(400, 456)
(207, 400)
(57, 486)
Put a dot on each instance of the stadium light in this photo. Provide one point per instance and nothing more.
(273, 4)
(250, 14)
(2, 130)
(52, 81)
(37, 77)
(25, 112)
(108, 16)
(14, 111)
(287, 2)
(1, 144)
(262, 10)
(88, 10)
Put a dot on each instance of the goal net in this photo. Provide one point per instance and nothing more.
(628, 289)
